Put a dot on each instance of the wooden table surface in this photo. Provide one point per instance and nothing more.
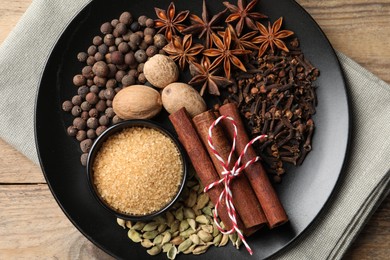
(33, 226)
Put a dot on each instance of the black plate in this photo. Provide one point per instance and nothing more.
(304, 190)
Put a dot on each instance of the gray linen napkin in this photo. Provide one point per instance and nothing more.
(364, 184)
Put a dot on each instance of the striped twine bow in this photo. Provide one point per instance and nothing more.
(228, 176)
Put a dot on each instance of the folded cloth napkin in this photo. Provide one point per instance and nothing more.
(366, 177)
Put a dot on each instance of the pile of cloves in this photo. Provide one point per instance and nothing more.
(277, 97)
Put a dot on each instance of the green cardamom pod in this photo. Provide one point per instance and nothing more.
(170, 218)
(207, 210)
(208, 228)
(134, 236)
(179, 214)
(192, 223)
(187, 233)
(150, 234)
(177, 241)
(224, 240)
(189, 250)
(154, 250)
(191, 200)
(121, 222)
(172, 252)
(195, 239)
(184, 245)
(138, 225)
(204, 236)
(150, 226)
(189, 213)
(183, 225)
(166, 238)
(166, 247)
(162, 227)
(175, 226)
(200, 249)
(217, 239)
(202, 219)
(157, 240)
(147, 243)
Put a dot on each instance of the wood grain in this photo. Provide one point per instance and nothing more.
(32, 226)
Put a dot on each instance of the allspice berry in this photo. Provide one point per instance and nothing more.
(82, 56)
(79, 80)
(106, 28)
(109, 40)
(91, 134)
(117, 58)
(93, 112)
(126, 18)
(82, 91)
(71, 131)
(86, 145)
(92, 122)
(77, 100)
(101, 106)
(109, 93)
(79, 123)
(92, 98)
(67, 106)
(100, 69)
(140, 56)
(81, 135)
(100, 130)
(85, 106)
(128, 80)
(160, 41)
(76, 111)
(84, 159)
(104, 120)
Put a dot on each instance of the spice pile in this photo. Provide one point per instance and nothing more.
(186, 228)
(138, 171)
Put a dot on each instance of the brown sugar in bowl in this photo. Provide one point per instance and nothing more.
(136, 169)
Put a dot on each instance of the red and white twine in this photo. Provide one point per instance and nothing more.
(228, 176)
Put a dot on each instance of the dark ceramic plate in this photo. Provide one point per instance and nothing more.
(304, 190)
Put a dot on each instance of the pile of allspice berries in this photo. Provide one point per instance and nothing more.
(114, 60)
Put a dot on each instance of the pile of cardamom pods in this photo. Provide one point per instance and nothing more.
(188, 227)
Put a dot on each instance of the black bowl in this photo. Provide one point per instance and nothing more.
(115, 129)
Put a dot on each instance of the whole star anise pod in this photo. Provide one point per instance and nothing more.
(183, 51)
(224, 54)
(205, 74)
(243, 14)
(169, 22)
(204, 26)
(271, 37)
(244, 42)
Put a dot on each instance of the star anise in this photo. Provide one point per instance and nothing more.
(183, 51)
(205, 74)
(204, 26)
(243, 15)
(244, 42)
(271, 37)
(169, 22)
(224, 54)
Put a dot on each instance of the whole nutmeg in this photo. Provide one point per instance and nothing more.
(160, 70)
(117, 58)
(100, 69)
(137, 102)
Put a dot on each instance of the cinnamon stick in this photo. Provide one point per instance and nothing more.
(244, 198)
(272, 207)
(202, 164)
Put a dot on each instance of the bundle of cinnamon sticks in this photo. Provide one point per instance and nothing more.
(254, 197)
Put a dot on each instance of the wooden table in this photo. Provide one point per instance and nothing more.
(33, 226)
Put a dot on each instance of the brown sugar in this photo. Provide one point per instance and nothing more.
(138, 171)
